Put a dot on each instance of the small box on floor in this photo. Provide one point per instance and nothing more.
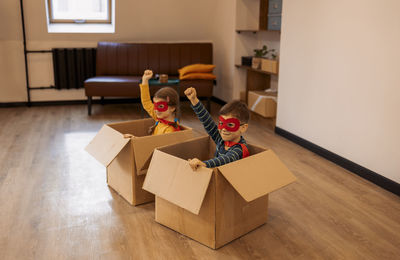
(213, 206)
(263, 103)
(127, 159)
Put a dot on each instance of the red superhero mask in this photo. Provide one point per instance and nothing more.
(231, 124)
(161, 106)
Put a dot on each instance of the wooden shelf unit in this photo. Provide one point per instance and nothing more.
(257, 79)
(255, 31)
(247, 30)
(256, 70)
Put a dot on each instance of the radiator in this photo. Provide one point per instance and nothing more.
(73, 66)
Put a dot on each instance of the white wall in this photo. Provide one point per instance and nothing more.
(339, 83)
(136, 21)
(223, 35)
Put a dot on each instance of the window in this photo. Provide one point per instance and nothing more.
(79, 11)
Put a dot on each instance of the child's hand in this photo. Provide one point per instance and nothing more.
(192, 95)
(146, 76)
(196, 163)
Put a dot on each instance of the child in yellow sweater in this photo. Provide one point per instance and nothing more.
(164, 108)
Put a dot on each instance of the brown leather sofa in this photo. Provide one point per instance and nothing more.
(119, 68)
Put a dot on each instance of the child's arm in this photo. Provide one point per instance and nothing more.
(234, 153)
(196, 163)
(205, 118)
(145, 94)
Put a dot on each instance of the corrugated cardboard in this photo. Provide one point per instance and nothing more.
(269, 65)
(171, 182)
(127, 159)
(213, 206)
(263, 103)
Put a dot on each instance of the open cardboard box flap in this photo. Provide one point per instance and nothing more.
(143, 147)
(177, 183)
(106, 145)
(257, 175)
(137, 127)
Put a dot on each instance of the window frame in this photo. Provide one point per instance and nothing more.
(77, 21)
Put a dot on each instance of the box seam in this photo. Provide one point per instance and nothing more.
(215, 209)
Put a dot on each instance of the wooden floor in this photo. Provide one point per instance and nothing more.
(55, 204)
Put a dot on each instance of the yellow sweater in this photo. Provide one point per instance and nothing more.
(161, 128)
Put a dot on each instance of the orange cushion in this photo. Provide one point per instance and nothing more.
(196, 68)
(198, 76)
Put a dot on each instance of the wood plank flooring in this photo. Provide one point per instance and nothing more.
(55, 204)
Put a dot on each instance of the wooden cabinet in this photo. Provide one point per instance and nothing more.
(269, 17)
(274, 15)
(274, 7)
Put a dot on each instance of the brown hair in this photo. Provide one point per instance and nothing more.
(172, 96)
(237, 109)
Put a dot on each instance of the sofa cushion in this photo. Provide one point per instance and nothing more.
(199, 76)
(196, 68)
(116, 86)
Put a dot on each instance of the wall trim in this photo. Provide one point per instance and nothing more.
(13, 104)
(361, 171)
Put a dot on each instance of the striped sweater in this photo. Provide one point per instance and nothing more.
(221, 156)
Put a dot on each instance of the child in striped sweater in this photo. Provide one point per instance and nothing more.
(227, 135)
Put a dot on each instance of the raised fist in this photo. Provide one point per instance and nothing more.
(191, 94)
(147, 75)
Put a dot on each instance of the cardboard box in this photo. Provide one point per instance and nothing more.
(213, 206)
(269, 66)
(127, 159)
(263, 103)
